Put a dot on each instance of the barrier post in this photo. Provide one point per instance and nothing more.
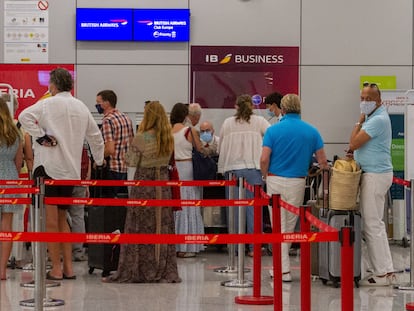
(240, 282)
(256, 299)
(40, 301)
(410, 286)
(305, 263)
(347, 268)
(277, 255)
(231, 262)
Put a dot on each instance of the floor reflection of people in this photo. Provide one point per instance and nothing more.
(192, 289)
(378, 298)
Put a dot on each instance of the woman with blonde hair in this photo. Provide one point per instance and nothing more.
(149, 263)
(11, 158)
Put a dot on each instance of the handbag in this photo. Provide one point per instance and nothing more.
(173, 175)
(204, 167)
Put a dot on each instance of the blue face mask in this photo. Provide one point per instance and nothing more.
(206, 136)
(367, 107)
(270, 113)
(99, 108)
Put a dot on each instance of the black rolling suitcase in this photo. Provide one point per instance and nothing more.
(106, 219)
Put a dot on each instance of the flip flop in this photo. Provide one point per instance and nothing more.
(53, 278)
(67, 277)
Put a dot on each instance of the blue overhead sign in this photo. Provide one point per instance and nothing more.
(162, 25)
(104, 24)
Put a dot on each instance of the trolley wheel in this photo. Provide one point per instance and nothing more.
(335, 284)
(356, 283)
(405, 242)
(13, 263)
(324, 282)
(91, 269)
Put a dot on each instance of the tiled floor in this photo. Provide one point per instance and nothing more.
(201, 290)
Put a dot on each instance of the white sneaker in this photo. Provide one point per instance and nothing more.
(376, 281)
(286, 277)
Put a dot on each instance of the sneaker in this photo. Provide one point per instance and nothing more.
(271, 273)
(286, 277)
(376, 281)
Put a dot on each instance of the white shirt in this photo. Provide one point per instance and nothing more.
(70, 122)
(240, 144)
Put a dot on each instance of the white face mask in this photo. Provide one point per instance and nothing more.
(367, 107)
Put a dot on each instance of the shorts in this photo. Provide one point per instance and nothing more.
(53, 191)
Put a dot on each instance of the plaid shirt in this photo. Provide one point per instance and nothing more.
(117, 127)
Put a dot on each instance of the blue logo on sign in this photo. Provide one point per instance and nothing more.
(256, 99)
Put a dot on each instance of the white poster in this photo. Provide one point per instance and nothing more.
(26, 32)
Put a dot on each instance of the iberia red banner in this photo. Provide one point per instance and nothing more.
(29, 81)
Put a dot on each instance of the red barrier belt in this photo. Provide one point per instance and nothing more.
(17, 182)
(248, 186)
(142, 202)
(264, 194)
(14, 201)
(291, 208)
(18, 190)
(319, 224)
(401, 182)
(152, 183)
(123, 238)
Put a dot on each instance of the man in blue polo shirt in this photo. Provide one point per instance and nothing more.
(288, 147)
(371, 141)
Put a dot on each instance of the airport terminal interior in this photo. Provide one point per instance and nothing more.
(202, 290)
(322, 50)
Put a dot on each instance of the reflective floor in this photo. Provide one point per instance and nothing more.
(201, 289)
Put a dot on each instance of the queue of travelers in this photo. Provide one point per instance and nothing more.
(275, 152)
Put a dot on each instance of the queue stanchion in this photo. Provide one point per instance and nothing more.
(305, 263)
(33, 221)
(277, 254)
(410, 286)
(231, 264)
(240, 282)
(347, 237)
(40, 301)
(256, 298)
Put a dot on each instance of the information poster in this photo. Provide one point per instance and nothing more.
(29, 81)
(26, 31)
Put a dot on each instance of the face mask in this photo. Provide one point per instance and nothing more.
(367, 107)
(99, 108)
(206, 136)
(270, 113)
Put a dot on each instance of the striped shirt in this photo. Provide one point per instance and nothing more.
(117, 127)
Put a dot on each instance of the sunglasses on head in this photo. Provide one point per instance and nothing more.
(366, 84)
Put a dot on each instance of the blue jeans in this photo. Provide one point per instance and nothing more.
(252, 177)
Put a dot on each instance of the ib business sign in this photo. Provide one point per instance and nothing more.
(221, 73)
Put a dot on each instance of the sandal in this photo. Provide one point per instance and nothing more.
(53, 278)
(67, 277)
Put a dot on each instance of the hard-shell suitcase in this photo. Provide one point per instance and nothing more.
(330, 252)
(105, 219)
